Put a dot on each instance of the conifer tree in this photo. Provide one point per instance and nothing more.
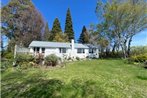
(68, 26)
(84, 37)
(56, 29)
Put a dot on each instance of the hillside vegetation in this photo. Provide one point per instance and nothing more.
(81, 79)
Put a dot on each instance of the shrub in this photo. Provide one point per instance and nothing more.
(111, 54)
(5, 64)
(145, 64)
(77, 58)
(51, 60)
(39, 59)
(24, 58)
(138, 58)
(8, 55)
(137, 50)
(69, 58)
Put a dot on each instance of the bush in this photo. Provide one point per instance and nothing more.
(8, 55)
(77, 58)
(137, 50)
(51, 60)
(23, 58)
(110, 55)
(138, 58)
(5, 64)
(39, 59)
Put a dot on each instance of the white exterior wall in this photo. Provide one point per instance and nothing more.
(69, 53)
(31, 50)
(81, 55)
(49, 51)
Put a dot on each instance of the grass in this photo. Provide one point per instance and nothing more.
(81, 79)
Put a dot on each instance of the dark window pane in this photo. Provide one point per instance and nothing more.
(80, 50)
(37, 49)
(43, 50)
(62, 50)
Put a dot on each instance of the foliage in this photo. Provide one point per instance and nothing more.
(46, 33)
(21, 22)
(60, 37)
(88, 79)
(5, 64)
(139, 58)
(51, 60)
(137, 50)
(39, 59)
(56, 29)
(84, 36)
(8, 55)
(119, 22)
(110, 55)
(68, 26)
(77, 58)
(23, 58)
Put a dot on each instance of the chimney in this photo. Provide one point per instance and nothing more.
(72, 44)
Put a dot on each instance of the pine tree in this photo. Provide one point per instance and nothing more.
(68, 26)
(84, 36)
(56, 29)
(47, 34)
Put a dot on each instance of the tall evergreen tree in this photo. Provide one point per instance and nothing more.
(68, 26)
(84, 36)
(56, 29)
(47, 34)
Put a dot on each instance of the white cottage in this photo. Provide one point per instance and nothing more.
(61, 49)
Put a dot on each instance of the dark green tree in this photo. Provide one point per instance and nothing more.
(68, 26)
(47, 34)
(56, 29)
(84, 36)
(21, 22)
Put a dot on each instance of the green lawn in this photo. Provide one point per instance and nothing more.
(81, 79)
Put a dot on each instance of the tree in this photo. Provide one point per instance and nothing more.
(56, 29)
(84, 36)
(47, 34)
(60, 37)
(21, 22)
(68, 26)
(124, 19)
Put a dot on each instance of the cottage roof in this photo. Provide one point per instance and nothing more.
(58, 44)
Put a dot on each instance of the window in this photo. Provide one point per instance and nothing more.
(92, 50)
(80, 50)
(37, 49)
(43, 50)
(34, 49)
(62, 50)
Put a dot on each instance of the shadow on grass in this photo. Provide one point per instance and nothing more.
(36, 86)
(142, 77)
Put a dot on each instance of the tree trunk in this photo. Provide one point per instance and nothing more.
(129, 46)
(124, 48)
(107, 51)
(113, 49)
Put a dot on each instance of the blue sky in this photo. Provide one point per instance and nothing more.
(82, 11)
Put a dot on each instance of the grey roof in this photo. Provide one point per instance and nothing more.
(56, 44)
(22, 49)
(92, 46)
